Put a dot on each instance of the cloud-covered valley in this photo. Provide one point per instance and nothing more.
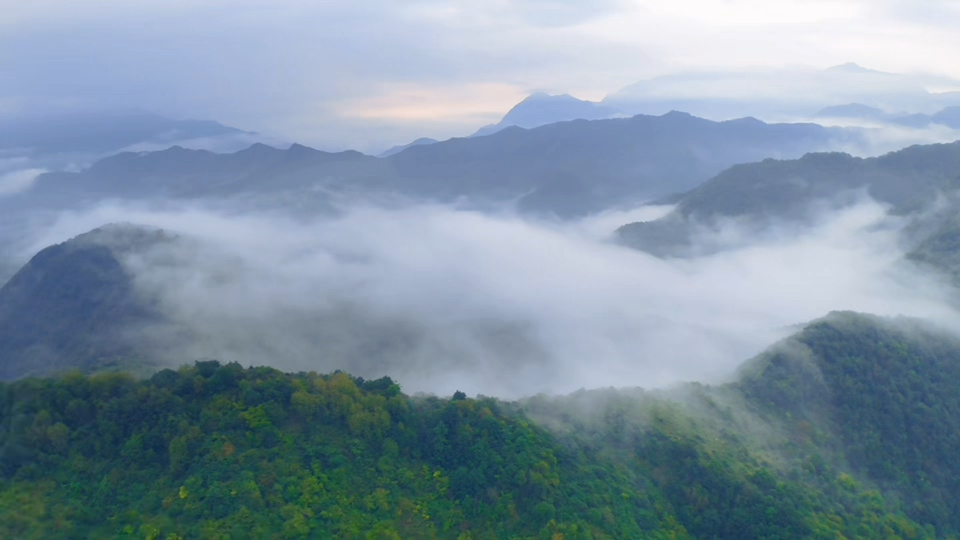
(442, 298)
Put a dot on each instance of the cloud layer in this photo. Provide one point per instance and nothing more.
(444, 299)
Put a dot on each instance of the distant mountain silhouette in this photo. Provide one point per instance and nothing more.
(566, 168)
(100, 133)
(782, 93)
(948, 117)
(540, 109)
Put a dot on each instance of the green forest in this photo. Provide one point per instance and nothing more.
(846, 430)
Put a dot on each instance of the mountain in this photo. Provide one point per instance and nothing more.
(566, 168)
(884, 392)
(948, 117)
(100, 133)
(847, 429)
(540, 109)
(397, 149)
(758, 195)
(179, 173)
(73, 306)
(783, 93)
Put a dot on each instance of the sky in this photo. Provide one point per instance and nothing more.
(366, 74)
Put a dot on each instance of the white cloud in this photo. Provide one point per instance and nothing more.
(17, 181)
(444, 299)
(287, 67)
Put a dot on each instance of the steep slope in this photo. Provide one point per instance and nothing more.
(73, 306)
(792, 191)
(883, 394)
(567, 168)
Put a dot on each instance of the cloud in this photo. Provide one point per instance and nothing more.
(878, 139)
(226, 143)
(287, 69)
(298, 69)
(18, 181)
(444, 299)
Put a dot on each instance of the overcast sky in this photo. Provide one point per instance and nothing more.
(365, 73)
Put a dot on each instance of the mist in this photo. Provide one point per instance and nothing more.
(441, 298)
(18, 180)
(876, 138)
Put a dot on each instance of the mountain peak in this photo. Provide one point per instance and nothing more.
(298, 150)
(851, 67)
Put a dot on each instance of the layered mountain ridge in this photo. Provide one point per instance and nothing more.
(567, 168)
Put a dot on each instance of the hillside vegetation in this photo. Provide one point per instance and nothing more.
(846, 430)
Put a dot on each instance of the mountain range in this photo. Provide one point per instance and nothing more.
(100, 133)
(721, 96)
(784, 93)
(566, 168)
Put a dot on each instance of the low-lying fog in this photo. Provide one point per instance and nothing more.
(443, 299)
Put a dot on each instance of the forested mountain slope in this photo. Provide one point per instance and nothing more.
(883, 394)
(851, 437)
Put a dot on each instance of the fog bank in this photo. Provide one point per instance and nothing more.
(444, 299)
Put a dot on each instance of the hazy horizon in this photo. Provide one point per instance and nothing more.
(366, 75)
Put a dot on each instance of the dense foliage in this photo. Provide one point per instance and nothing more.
(219, 451)
(880, 396)
(711, 462)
